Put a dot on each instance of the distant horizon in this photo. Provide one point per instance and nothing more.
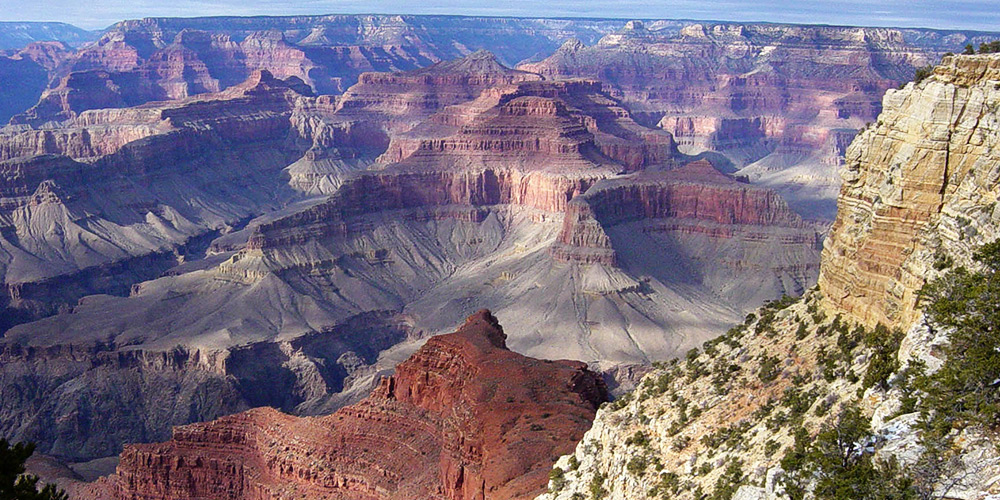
(977, 15)
(567, 17)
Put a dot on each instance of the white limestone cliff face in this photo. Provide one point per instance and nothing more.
(920, 186)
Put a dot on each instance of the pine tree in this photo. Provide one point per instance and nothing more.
(14, 483)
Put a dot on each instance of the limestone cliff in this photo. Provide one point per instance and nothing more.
(920, 186)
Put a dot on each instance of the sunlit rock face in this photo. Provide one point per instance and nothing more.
(462, 418)
(264, 237)
(164, 58)
(919, 188)
(919, 196)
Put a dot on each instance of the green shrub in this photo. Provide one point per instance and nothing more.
(839, 464)
(730, 480)
(637, 465)
(769, 368)
(771, 447)
(14, 483)
(965, 303)
(884, 346)
(668, 486)
(596, 487)
(801, 332)
(638, 439)
(989, 48)
(922, 73)
(557, 480)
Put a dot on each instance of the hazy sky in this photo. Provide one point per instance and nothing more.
(969, 14)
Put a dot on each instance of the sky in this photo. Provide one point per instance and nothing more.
(948, 14)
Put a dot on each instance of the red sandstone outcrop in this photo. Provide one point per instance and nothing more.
(404, 99)
(463, 418)
(539, 146)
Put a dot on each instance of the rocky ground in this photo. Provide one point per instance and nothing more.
(464, 417)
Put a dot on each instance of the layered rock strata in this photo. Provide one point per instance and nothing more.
(696, 198)
(919, 189)
(160, 58)
(120, 195)
(25, 73)
(919, 196)
(460, 212)
(462, 418)
(782, 101)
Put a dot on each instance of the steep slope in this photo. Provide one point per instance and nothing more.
(935, 201)
(780, 101)
(919, 196)
(462, 418)
(24, 75)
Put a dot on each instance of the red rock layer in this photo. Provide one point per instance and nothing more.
(258, 107)
(696, 193)
(738, 88)
(403, 99)
(463, 418)
(540, 146)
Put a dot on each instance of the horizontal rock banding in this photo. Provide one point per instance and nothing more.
(695, 193)
(917, 188)
(463, 418)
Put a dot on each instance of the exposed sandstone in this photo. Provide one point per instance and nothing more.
(920, 190)
(462, 418)
(919, 186)
(774, 98)
(696, 193)
(406, 98)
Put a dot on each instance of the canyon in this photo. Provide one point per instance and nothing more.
(463, 417)
(203, 216)
(918, 199)
(781, 103)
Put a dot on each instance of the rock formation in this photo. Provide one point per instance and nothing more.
(689, 199)
(17, 34)
(25, 74)
(450, 199)
(781, 101)
(80, 202)
(160, 58)
(919, 196)
(462, 418)
(917, 190)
